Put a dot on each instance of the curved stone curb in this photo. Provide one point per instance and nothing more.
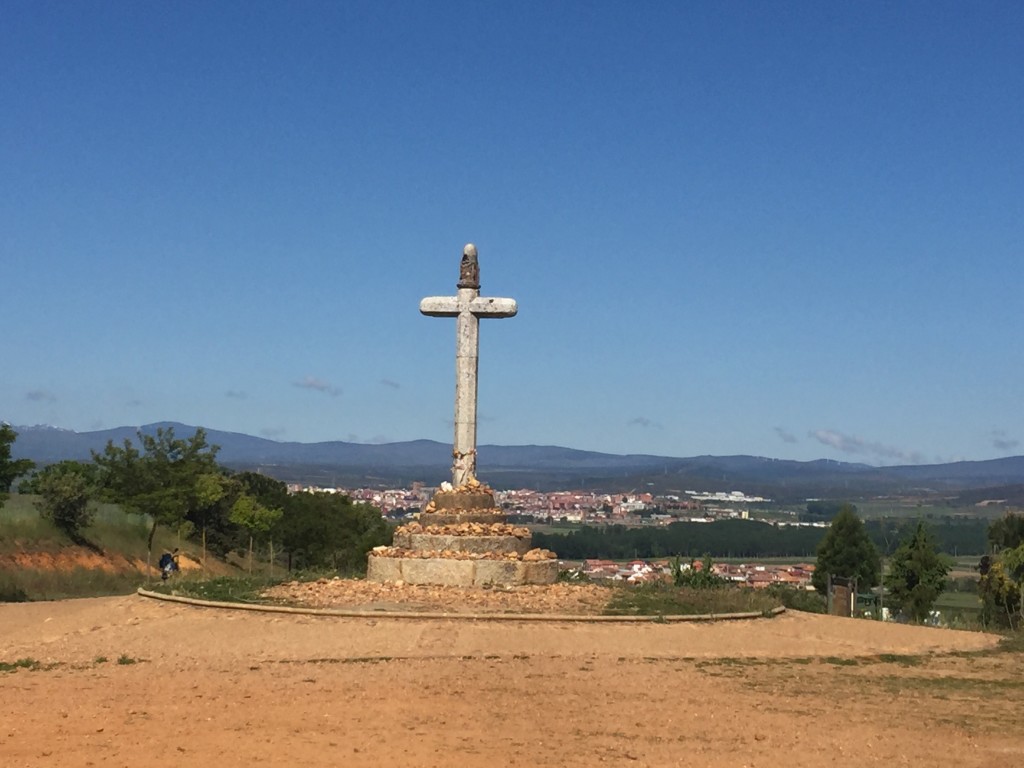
(534, 617)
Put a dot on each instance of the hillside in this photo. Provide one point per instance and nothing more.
(39, 562)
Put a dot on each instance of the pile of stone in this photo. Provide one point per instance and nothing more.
(465, 529)
(462, 539)
(532, 556)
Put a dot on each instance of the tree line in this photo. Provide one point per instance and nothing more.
(176, 483)
(748, 538)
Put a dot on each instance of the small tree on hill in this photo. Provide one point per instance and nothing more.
(66, 491)
(10, 469)
(163, 480)
(846, 552)
(256, 519)
(917, 575)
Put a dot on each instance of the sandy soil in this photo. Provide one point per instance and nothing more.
(230, 688)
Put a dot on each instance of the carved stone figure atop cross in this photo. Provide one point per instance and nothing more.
(468, 306)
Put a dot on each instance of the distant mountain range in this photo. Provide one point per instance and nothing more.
(543, 467)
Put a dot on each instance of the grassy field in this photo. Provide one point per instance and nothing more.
(892, 508)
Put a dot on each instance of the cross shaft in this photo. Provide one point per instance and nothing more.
(467, 307)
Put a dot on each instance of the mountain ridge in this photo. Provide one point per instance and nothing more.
(539, 466)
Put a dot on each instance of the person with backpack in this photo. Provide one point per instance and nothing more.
(168, 564)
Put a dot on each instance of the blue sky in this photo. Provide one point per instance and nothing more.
(783, 229)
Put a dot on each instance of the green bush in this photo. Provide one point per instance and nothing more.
(662, 599)
(798, 599)
(694, 577)
(10, 592)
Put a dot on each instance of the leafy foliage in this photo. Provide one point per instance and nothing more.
(66, 491)
(163, 480)
(743, 538)
(326, 530)
(1001, 586)
(724, 538)
(1007, 532)
(917, 575)
(255, 518)
(703, 577)
(823, 510)
(10, 469)
(798, 599)
(847, 552)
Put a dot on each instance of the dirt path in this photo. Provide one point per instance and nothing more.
(231, 688)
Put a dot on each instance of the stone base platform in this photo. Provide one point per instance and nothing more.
(462, 499)
(461, 573)
(477, 545)
(461, 540)
(485, 517)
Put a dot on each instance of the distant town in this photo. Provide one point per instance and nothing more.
(629, 509)
(581, 507)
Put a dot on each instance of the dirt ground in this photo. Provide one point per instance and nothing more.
(129, 681)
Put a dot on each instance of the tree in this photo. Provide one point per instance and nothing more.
(1013, 565)
(1007, 532)
(326, 530)
(256, 519)
(266, 490)
(1001, 586)
(163, 481)
(10, 469)
(211, 489)
(917, 575)
(846, 552)
(66, 491)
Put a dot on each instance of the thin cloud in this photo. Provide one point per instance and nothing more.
(390, 383)
(317, 385)
(1002, 442)
(643, 421)
(41, 396)
(859, 446)
(235, 394)
(785, 435)
(272, 432)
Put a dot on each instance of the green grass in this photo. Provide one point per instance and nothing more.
(225, 589)
(35, 584)
(659, 599)
(958, 601)
(25, 663)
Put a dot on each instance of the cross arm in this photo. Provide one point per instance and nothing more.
(451, 306)
(440, 306)
(487, 307)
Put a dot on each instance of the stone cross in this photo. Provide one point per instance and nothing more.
(468, 306)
